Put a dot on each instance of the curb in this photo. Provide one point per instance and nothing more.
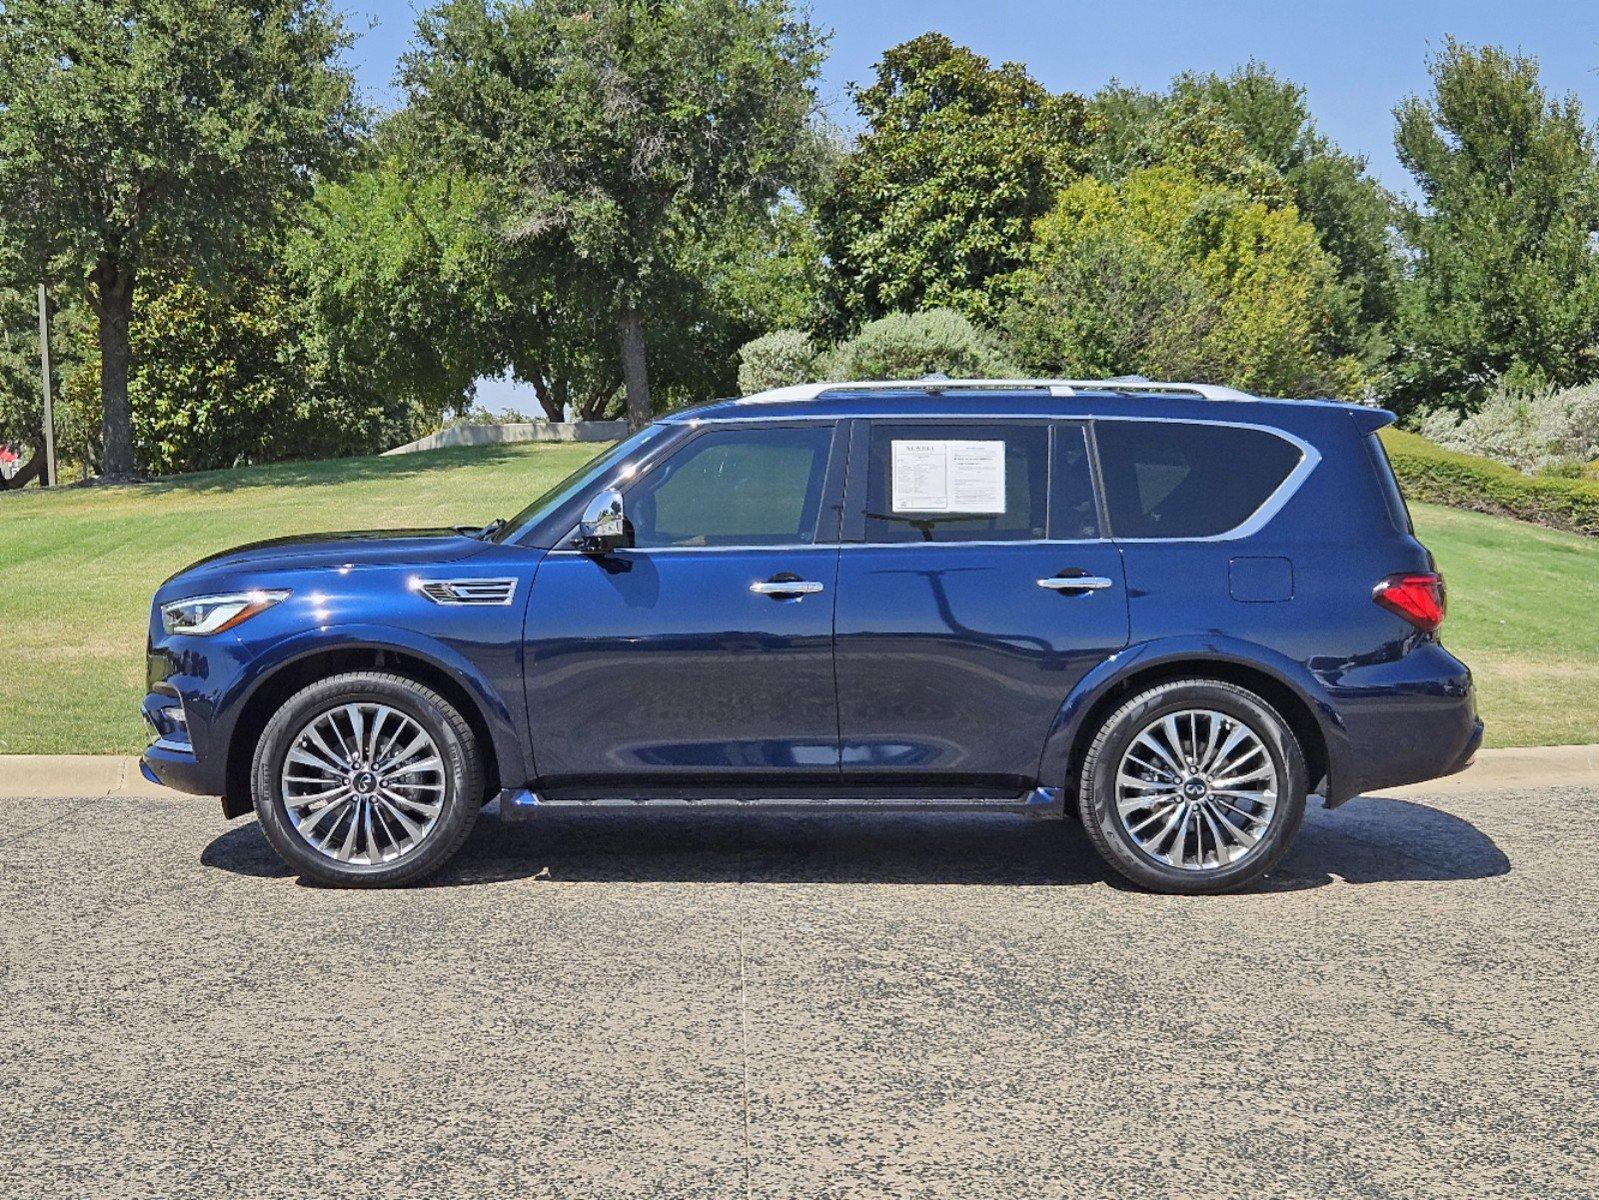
(74, 776)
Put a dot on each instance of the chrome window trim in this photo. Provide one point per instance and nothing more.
(786, 547)
(791, 546)
(1309, 459)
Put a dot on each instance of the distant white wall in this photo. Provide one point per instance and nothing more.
(530, 431)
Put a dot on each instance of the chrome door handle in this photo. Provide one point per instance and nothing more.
(1076, 583)
(786, 587)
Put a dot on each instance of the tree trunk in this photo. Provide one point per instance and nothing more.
(113, 285)
(635, 371)
(550, 397)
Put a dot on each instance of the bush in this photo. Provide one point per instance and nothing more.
(1166, 275)
(221, 381)
(1549, 431)
(776, 360)
(1439, 476)
(911, 345)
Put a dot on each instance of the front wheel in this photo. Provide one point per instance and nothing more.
(1194, 786)
(367, 780)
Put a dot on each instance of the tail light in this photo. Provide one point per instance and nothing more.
(1418, 597)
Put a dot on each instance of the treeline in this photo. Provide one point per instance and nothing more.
(631, 206)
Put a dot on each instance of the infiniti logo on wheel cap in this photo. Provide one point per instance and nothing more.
(1194, 789)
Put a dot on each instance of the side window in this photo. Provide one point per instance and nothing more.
(956, 482)
(1169, 479)
(1074, 515)
(1398, 513)
(734, 487)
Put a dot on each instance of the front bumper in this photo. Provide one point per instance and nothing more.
(170, 758)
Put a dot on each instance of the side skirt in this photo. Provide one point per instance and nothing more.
(520, 804)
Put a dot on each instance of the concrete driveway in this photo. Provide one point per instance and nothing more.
(699, 1005)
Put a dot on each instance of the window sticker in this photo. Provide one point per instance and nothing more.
(949, 477)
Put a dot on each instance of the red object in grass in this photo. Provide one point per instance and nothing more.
(1418, 597)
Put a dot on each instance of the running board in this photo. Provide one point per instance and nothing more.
(519, 804)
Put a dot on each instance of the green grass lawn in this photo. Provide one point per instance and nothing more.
(79, 566)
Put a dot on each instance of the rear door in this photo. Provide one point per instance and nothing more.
(974, 591)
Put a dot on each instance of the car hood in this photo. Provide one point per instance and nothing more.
(361, 548)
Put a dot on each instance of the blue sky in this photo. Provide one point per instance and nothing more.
(1357, 58)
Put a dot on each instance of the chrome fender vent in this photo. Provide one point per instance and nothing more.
(467, 591)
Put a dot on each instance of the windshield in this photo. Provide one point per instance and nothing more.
(578, 480)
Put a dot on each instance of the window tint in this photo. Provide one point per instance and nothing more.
(1074, 513)
(734, 487)
(956, 482)
(1392, 496)
(1168, 479)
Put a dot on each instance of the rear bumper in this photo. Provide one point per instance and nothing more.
(1407, 722)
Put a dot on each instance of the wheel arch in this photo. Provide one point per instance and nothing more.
(489, 721)
(1311, 717)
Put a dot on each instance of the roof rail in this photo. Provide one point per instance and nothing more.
(1056, 387)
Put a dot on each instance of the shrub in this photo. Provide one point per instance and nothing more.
(1167, 275)
(911, 345)
(1439, 476)
(776, 360)
(1552, 431)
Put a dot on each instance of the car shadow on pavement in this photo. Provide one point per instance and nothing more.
(1367, 841)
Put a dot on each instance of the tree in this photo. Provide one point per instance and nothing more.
(619, 131)
(140, 131)
(935, 206)
(1251, 131)
(1505, 280)
(1351, 211)
(407, 287)
(1172, 276)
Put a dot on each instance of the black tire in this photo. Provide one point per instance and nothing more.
(1097, 790)
(458, 751)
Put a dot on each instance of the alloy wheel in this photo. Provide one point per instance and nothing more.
(1197, 789)
(363, 784)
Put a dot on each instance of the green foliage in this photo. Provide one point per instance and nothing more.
(1166, 275)
(619, 132)
(21, 399)
(221, 380)
(935, 205)
(159, 130)
(1546, 431)
(1505, 283)
(777, 359)
(1252, 131)
(1431, 473)
(1351, 211)
(911, 345)
(407, 288)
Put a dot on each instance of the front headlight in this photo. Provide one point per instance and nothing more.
(212, 614)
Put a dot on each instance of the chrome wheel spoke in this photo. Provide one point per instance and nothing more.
(1196, 790)
(363, 783)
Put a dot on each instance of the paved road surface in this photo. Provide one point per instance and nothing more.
(900, 1006)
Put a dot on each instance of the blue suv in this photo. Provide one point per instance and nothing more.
(1172, 610)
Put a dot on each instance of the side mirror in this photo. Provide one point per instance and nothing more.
(603, 526)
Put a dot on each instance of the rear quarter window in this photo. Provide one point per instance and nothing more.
(1398, 513)
(1176, 479)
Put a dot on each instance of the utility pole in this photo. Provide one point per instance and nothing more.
(44, 377)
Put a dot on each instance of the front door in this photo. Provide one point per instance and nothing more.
(974, 592)
(703, 655)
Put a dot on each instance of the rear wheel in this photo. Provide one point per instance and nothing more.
(1194, 786)
(367, 780)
